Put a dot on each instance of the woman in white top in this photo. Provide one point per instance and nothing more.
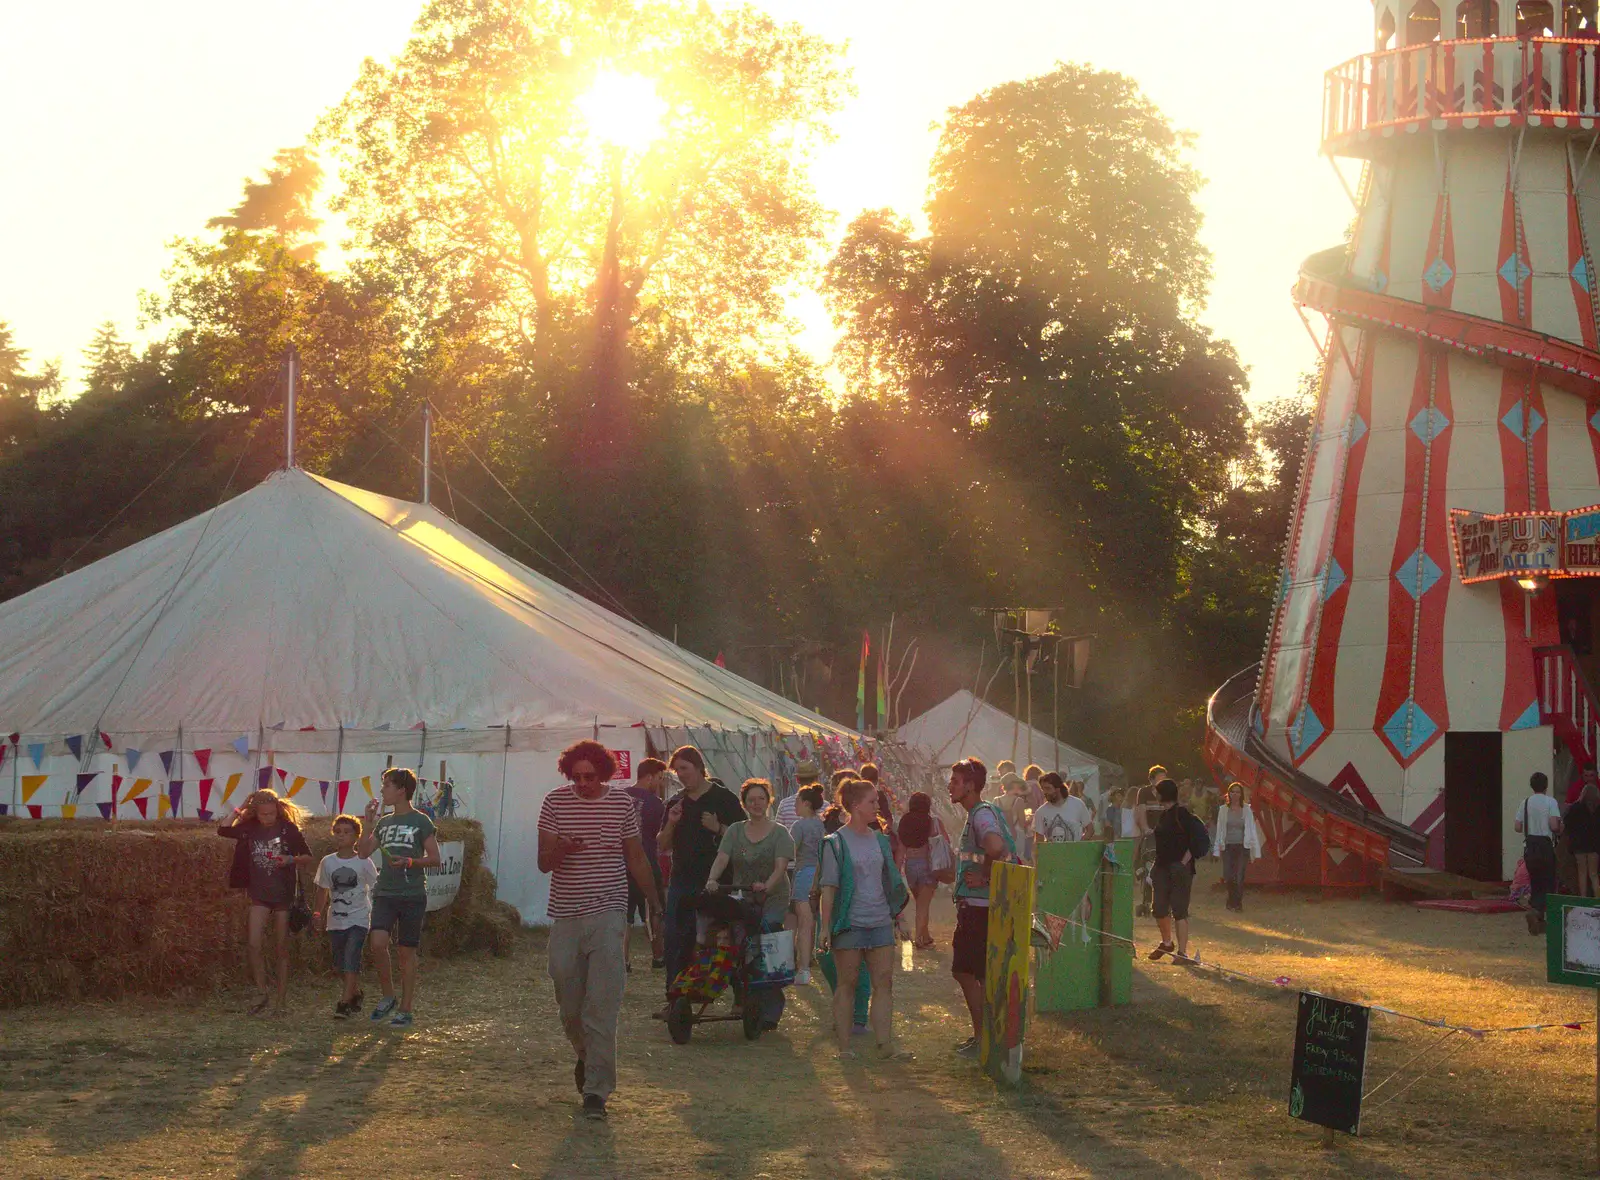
(1236, 841)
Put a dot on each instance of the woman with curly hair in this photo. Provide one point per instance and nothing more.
(265, 860)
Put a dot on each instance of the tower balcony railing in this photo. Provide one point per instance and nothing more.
(1497, 82)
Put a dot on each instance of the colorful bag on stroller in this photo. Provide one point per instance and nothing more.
(707, 976)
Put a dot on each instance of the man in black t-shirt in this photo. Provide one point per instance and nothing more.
(1172, 875)
(696, 818)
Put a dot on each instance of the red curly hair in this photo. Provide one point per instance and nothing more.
(591, 752)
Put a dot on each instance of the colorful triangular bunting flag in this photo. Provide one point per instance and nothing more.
(106, 738)
(205, 793)
(132, 757)
(105, 810)
(31, 783)
(203, 759)
(143, 805)
(69, 811)
(75, 745)
(166, 762)
(283, 775)
(294, 788)
(323, 783)
(344, 791)
(241, 746)
(161, 806)
(36, 810)
(175, 793)
(84, 780)
(233, 784)
(263, 778)
(36, 752)
(2, 808)
(137, 790)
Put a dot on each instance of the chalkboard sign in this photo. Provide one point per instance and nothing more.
(1330, 1063)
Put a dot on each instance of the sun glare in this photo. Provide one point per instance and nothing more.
(622, 110)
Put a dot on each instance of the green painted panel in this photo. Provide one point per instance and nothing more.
(1069, 978)
(1576, 919)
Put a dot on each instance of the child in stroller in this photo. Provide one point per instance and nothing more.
(728, 954)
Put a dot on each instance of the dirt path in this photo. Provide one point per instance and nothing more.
(1190, 1080)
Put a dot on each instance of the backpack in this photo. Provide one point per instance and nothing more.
(1199, 838)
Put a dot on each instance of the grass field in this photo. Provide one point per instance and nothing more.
(1190, 1080)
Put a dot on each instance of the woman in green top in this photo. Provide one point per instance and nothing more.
(758, 850)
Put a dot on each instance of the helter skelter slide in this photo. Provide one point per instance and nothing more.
(1434, 632)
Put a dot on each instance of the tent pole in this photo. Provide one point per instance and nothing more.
(427, 440)
(1055, 704)
(338, 766)
(500, 824)
(288, 414)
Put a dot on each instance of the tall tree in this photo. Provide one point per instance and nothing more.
(281, 204)
(472, 177)
(25, 397)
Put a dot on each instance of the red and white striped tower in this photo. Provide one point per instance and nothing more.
(1418, 670)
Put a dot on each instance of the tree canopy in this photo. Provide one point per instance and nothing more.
(1032, 413)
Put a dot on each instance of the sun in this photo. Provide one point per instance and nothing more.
(622, 110)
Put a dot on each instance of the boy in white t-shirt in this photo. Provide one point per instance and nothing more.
(344, 900)
(1539, 821)
(1062, 817)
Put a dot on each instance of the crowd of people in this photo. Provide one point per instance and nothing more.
(839, 869)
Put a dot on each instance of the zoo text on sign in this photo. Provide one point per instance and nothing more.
(444, 882)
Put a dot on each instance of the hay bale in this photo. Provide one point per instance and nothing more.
(111, 910)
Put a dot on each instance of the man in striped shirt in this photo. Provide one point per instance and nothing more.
(589, 844)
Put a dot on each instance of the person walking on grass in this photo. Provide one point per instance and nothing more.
(919, 827)
(1063, 817)
(590, 844)
(1236, 841)
(1582, 827)
(266, 858)
(985, 839)
(344, 907)
(1539, 821)
(646, 796)
(696, 818)
(805, 775)
(862, 897)
(1172, 874)
(407, 846)
(807, 834)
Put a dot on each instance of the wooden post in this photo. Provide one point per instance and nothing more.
(1327, 1138)
(1108, 894)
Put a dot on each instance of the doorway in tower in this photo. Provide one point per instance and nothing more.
(1472, 804)
(1578, 612)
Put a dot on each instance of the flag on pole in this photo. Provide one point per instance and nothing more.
(175, 793)
(166, 761)
(205, 792)
(883, 692)
(241, 746)
(203, 759)
(233, 783)
(294, 788)
(344, 791)
(861, 682)
(366, 785)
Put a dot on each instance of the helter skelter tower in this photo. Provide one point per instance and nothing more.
(1433, 639)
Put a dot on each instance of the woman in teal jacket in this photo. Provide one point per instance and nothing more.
(863, 895)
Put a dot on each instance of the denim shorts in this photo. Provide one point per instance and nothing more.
(347, 944)
(803, 880)
(400, 916)
(863, 939)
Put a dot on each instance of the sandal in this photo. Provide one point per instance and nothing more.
(1164, 948)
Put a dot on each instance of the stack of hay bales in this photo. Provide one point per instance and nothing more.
(97, 910)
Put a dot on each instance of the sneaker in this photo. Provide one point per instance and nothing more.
(577, 1074)
(802, 978)
(1163, 948)
(968, 1049)
(341, 1010)
(594, 1107)
(384, 1008)
(657, 964)
(402, 1020)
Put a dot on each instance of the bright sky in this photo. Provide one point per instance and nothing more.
(131, 124)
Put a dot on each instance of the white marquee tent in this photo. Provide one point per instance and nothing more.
(963, 726)
(307, 633)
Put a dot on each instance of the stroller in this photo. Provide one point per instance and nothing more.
(728, 958)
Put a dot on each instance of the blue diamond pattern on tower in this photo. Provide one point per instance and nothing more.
(1512, 421)
(1580, 273)
(1358, 428)
(1438, 275)
(1594, 422)
(1429, 423)
(1332, 580)
(1418, 574)
(1408, 739)
(1379, 280)
(1515, 271)
(1305, 731)
(1529, 718)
